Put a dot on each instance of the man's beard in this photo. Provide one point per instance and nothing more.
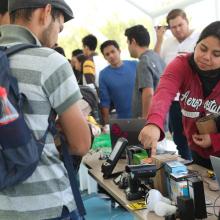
(45, 39)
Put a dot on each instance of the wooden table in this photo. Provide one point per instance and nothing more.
(210, 195)
(92, 161)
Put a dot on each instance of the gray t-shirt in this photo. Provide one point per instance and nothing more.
(149, 69)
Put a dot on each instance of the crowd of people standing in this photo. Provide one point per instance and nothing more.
(181, 75)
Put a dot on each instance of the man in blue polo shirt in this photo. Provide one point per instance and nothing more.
(116, 82)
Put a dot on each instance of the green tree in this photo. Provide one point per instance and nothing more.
(73, 40)
(113, 29)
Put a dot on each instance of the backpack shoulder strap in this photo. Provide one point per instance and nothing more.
(72, 177)
(8, 52)
(19, 47)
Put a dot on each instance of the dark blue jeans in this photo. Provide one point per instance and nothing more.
(176, 128)
(197, 159)
(66, 215)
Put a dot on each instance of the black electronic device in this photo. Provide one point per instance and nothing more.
(130, 151)
(185, 208)
(109, 165)
(142, 170)
(128, 128)
(170, 217)
(117, 179)
(197, 193)
(121, 180)
(137, 173)
(166, 27)
(123, 184)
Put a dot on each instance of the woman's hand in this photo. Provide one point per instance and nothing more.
(203, 140)
(149, 137)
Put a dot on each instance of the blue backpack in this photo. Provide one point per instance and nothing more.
(20, 151)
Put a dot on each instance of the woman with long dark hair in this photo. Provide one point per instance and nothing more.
(197, 77)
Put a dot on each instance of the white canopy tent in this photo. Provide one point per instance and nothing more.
(92, 15)
(160, 7)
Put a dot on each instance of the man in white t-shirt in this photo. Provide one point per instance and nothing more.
(182, 41)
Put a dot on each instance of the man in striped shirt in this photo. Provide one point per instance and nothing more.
(47, 80)
(4, 16)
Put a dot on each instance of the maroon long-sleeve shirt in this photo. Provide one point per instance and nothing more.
(179, 76)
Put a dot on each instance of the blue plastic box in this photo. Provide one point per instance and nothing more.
(175, 167)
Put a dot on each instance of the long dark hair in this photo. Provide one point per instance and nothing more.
(81, 58)
(212, 29)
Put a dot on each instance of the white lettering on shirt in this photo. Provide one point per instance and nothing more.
(190, 101)
(211, 106)
(190, 114)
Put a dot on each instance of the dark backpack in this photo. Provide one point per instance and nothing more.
(90, 96)
(20, 151)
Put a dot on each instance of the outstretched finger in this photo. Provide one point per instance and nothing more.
(140, 136)
(153, 148)
(146, 144)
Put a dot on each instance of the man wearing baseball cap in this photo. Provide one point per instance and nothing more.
(4, 16)
(47, 80)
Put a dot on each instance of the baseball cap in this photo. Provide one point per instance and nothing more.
(3, 6)
(58, 4)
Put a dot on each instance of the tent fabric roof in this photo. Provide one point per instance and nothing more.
(159, 7)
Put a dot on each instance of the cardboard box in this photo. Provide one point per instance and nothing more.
(160, 180)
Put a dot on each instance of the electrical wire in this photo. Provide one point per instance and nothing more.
(214, 206)
(160, 167)
(209, 213)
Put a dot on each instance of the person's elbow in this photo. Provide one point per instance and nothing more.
(83, 143)
(76, 130)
